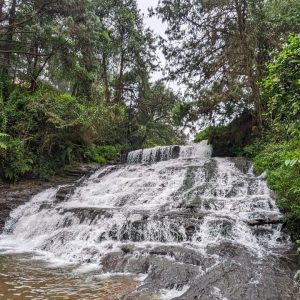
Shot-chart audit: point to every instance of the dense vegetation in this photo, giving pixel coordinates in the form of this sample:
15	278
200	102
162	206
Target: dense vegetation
75	85
220	50
277	151
240	60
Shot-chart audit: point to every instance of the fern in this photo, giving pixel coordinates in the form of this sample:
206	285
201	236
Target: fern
3	143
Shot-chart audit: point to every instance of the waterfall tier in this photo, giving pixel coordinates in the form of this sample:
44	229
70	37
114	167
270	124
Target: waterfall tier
169	206
157	154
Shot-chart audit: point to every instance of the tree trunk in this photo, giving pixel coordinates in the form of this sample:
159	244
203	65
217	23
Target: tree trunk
8	48
33	76
37	70
1	9
120	80
257	98
249	58
105	78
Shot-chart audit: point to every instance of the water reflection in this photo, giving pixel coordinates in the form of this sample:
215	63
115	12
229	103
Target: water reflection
24	278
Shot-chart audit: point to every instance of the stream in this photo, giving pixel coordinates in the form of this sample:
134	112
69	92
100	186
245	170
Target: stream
171	223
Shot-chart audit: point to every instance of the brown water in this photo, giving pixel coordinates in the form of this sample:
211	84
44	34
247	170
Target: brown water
24	278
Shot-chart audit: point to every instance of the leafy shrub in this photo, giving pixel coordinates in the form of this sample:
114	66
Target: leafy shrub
58	129
279	152
3	141
103	154
231	139
282	84
203	135
281	161
14	161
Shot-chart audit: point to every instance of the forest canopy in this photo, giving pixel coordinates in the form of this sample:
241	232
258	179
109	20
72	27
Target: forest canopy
75	85
76	77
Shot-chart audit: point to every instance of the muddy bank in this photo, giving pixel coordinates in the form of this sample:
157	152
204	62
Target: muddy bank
15	194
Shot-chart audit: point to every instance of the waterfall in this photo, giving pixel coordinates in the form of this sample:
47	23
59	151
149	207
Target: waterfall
164	201
152	155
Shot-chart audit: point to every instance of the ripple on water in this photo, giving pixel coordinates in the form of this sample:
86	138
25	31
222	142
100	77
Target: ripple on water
24	278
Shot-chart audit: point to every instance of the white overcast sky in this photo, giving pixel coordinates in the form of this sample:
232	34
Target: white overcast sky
155	24
159	28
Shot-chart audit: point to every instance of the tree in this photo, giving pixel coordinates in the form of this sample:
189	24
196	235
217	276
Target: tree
220	49
150	119
281	86
125	49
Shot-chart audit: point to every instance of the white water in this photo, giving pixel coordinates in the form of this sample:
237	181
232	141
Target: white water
148	204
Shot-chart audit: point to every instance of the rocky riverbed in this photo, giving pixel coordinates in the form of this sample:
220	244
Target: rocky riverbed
187	227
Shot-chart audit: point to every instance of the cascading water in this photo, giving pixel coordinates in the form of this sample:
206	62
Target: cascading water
197	227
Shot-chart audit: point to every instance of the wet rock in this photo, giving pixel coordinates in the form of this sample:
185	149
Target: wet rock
128	249
64	192
184	215
183	255
107	171
85	214
233	280
235	277
226	249
114	262
165	274
268	221
241	163
139	264
210	169
142	295
176	151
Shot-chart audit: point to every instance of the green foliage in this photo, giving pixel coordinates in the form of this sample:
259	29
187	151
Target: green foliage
284	13
3	141
207	133
159	134
274	156
251	150
278	152
269	137
151	120
282	84
57	129
75	77
298	276
231	139
103	154
281	161
181	112
219	58
14	161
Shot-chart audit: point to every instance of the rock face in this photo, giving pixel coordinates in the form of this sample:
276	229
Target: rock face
195	227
